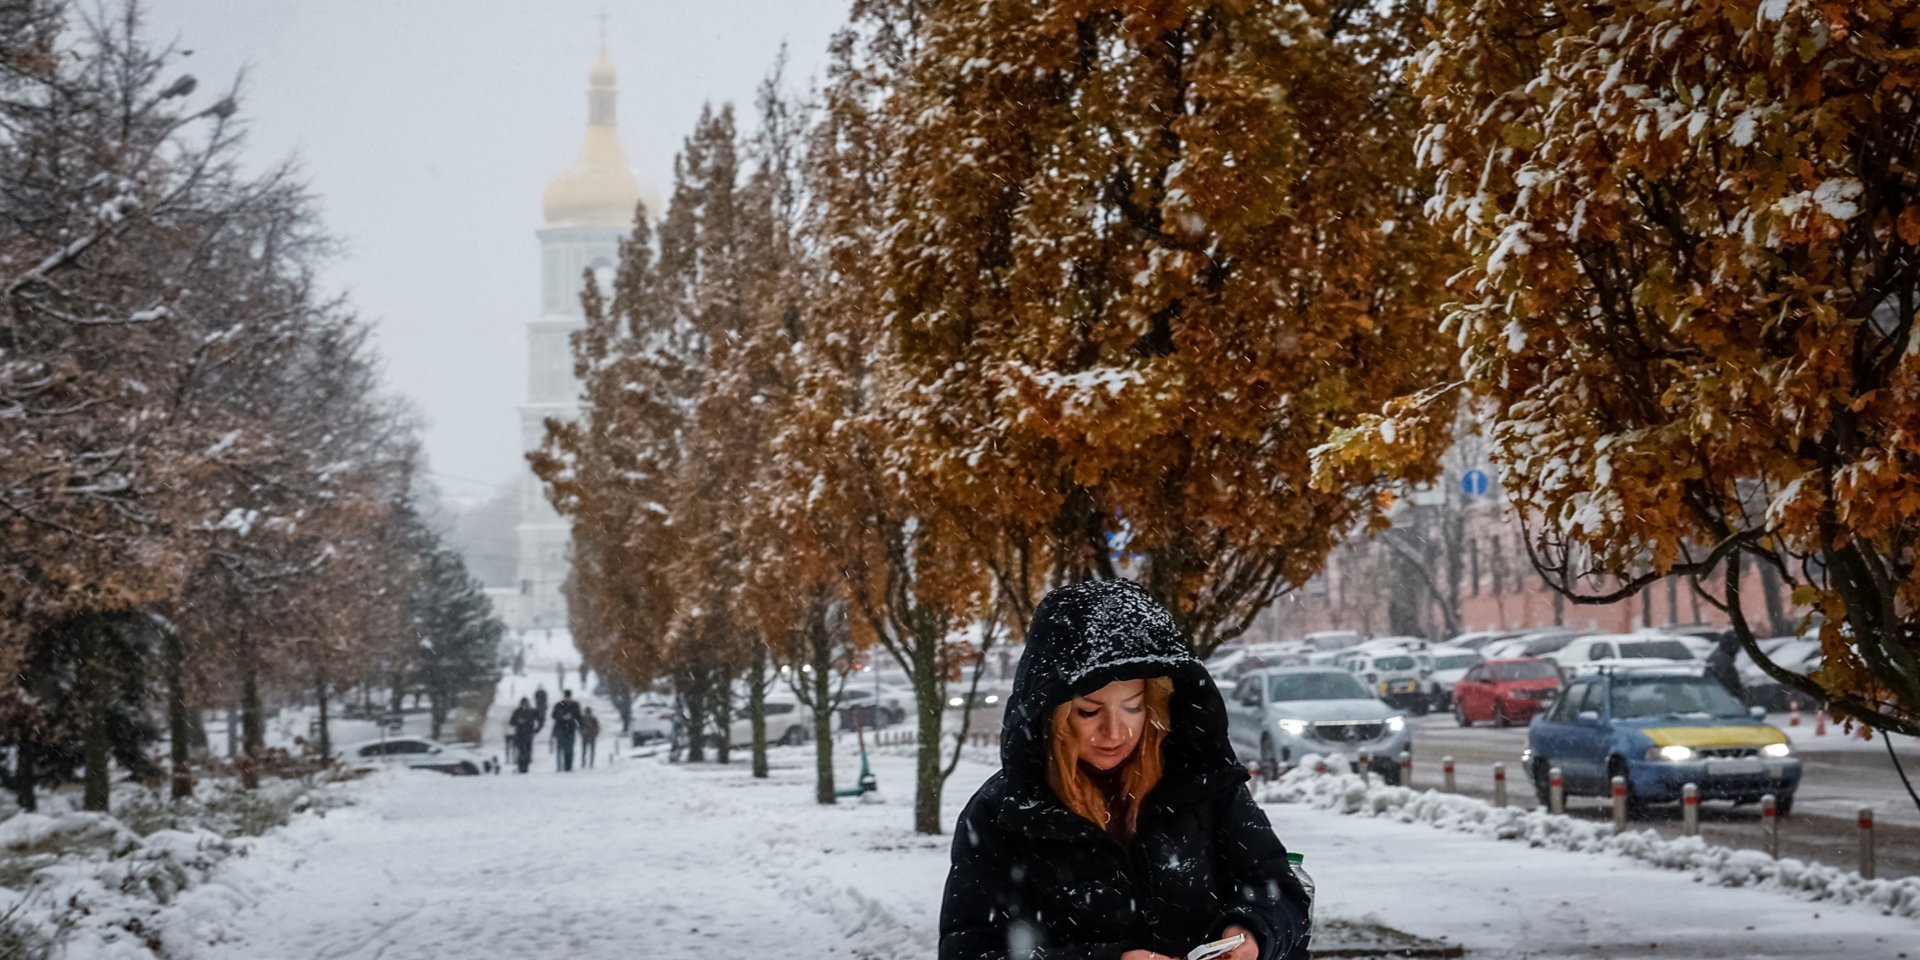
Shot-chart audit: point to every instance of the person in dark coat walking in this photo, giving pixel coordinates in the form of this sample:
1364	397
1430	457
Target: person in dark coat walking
589	732
566	723
1120	823
525	722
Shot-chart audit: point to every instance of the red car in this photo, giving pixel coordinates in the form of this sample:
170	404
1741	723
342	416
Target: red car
1505	691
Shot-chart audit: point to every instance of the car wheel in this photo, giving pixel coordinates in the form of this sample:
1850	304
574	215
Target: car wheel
1542	781
1500	714
468	769
1460	714
1269	763
793	737
1419	706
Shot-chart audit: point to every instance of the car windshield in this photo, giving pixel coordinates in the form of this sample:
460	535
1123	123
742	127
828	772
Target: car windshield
1656	649
1455	661
1315	686
1532	670
1634	698
1393	663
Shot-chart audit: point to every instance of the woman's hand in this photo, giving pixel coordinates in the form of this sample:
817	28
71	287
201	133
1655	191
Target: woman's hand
1145	955
1249	949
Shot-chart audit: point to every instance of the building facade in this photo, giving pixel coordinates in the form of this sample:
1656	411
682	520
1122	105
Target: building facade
588	210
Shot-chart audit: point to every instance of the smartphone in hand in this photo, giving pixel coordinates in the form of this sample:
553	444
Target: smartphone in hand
1217	948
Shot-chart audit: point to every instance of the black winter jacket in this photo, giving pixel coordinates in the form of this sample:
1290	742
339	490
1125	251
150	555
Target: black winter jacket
1031	880
566	719
526	721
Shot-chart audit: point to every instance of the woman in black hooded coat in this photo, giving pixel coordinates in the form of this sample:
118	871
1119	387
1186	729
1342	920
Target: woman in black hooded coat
1033	880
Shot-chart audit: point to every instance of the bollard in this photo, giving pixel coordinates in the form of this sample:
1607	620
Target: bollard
1866	843
1793	713
1556	791
1499	784
1619	804
1820	723
1406	768
1320	765
1770	825
1366	767
1690	808
1446	776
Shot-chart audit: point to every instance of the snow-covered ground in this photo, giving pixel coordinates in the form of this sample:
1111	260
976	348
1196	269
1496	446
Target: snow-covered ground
641	858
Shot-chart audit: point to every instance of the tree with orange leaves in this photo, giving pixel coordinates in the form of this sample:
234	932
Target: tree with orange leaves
1695	280
1141	259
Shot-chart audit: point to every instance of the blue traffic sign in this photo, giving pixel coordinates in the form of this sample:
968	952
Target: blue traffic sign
1474	483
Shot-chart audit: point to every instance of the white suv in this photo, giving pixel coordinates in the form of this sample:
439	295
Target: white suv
1399	677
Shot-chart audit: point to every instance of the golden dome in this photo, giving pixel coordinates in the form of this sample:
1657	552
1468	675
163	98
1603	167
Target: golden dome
600	190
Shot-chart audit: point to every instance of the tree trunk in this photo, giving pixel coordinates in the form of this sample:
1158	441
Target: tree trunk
179	717
1770	592
437	711
1404	596
25	772
928	684
820	655
757	709
326	735
94	696
253	726
694	701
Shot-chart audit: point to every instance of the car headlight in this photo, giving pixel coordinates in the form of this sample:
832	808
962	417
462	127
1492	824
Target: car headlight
1293	727
1396	724
1672	754
1774	751
993	698
955	701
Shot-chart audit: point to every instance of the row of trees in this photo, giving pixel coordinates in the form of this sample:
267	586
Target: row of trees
204	497
1188	290
1016	299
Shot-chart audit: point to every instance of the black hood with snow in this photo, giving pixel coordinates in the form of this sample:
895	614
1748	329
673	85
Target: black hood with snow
1087	635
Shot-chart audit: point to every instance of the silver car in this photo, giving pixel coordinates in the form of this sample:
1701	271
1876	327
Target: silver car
1284	713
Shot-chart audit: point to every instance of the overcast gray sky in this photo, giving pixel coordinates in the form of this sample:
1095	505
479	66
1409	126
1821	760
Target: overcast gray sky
429	128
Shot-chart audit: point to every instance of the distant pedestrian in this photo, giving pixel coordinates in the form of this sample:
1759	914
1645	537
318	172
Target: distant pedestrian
566	724
526	722
540	700
589	732
583	674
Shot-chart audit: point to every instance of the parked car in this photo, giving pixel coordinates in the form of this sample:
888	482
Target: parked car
1505	691
1332	639
1660	728
1536	644
1449	666
893	703
1799	654
417	753
1282	714
1477	639
1604	647
788	723
1398	677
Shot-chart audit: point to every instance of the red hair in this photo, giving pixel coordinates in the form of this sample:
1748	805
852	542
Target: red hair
1142	770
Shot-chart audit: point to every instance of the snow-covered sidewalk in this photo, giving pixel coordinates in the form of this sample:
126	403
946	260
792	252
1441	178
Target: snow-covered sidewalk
641	858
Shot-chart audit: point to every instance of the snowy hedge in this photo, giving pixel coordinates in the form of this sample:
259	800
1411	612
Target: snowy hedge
1346	793
146	884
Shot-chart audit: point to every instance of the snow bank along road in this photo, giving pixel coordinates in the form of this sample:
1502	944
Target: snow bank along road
643	859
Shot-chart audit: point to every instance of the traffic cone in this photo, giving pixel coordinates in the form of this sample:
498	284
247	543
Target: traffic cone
1793	713
1820	723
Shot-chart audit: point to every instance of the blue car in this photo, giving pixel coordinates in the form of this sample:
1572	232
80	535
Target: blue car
1661	728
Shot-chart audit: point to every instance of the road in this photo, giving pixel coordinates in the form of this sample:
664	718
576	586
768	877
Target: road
1841	775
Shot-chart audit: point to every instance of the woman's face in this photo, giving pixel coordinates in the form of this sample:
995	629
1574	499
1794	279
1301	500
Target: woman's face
1107	723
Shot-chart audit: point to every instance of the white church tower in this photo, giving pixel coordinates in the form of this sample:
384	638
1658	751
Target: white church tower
589	209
